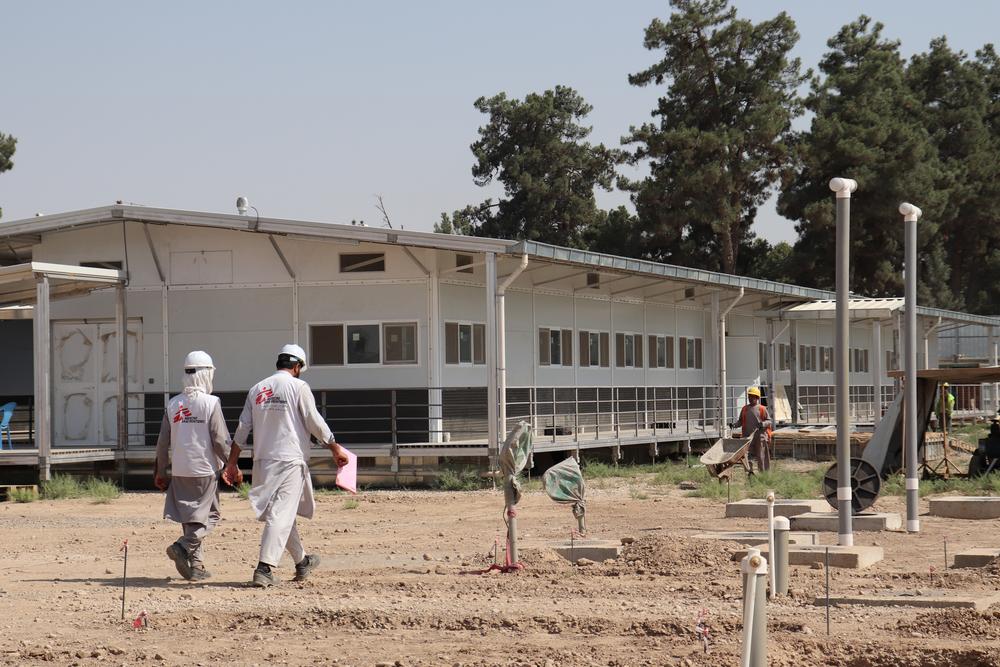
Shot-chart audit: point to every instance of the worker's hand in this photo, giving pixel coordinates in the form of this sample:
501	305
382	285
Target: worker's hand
339	455
232	475
160	482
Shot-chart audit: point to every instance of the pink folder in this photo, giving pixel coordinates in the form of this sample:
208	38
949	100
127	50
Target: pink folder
347	477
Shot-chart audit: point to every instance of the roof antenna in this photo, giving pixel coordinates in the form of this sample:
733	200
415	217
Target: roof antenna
242	204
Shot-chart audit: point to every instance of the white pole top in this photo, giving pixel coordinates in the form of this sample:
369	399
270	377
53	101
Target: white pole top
843	187
909	212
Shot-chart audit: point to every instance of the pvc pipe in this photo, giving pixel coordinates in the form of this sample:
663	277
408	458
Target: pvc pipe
779	558
910	215
754	570
508	495
501	317
770	539
722	362
843	187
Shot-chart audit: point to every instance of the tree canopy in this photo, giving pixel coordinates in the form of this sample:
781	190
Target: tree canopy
8	145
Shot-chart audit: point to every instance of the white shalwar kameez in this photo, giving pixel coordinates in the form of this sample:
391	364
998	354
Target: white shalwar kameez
281	412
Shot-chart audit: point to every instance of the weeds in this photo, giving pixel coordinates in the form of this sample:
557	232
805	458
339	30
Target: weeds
101	490
637	494
244	490
61	487
351	504
28	495
460	479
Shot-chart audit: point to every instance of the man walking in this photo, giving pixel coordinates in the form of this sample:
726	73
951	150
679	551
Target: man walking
281	412
755	420
194	438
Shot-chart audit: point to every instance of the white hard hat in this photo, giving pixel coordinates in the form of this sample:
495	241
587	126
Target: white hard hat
198	359
296	352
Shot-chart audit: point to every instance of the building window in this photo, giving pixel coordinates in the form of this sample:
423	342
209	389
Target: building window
661	352
362	262
762	356
859	360
826	359
784	357
628	350
689	352
399	343
362	343
555	347
464	343
326	344
594	347
808	358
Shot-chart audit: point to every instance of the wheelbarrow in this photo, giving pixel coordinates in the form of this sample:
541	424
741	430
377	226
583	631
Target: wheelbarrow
726	453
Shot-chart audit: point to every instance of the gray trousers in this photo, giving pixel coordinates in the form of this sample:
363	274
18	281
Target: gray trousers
280	532
194	534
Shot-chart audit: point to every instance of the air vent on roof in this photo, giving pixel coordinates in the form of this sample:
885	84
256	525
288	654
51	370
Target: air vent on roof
594	280
464	260
689	293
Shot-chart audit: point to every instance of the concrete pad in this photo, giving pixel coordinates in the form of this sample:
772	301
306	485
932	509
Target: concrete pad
754	508
976	557
966	507
935	599
753	538
596	550
851	558
828	522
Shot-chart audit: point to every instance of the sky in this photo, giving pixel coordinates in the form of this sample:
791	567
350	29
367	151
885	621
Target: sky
311	109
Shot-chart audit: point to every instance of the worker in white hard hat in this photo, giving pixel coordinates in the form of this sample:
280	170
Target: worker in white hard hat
281	412
195	441
754	420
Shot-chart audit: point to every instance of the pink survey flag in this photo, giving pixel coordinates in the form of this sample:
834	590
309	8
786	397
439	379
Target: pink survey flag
347	477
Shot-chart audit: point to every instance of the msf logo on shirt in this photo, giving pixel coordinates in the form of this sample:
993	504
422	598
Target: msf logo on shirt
184	415
266	400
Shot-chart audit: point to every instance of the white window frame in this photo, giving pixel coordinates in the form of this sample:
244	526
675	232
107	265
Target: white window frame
381	332
595	333
381	352
629	339
573	342
662	338
472	324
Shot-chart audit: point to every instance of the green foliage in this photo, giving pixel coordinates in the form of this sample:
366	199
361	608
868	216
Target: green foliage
22	495
244	490
8	145
459	479
61	486
722	136
66	487
637	494
537	149
974	486
351	504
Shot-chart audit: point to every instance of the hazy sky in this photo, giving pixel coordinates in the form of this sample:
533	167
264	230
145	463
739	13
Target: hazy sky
311	108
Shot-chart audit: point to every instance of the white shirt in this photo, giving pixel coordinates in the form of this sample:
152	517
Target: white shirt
281	412
194	447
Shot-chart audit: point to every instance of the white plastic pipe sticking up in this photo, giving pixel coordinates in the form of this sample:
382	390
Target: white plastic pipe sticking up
723	390
501	307
910	215
770	541
752	566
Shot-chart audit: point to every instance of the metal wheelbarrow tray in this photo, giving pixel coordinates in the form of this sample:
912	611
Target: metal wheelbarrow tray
726	453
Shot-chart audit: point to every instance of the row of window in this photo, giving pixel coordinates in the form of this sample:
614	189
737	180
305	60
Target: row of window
555	348
812	358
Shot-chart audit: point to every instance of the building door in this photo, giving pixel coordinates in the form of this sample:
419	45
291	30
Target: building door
85	383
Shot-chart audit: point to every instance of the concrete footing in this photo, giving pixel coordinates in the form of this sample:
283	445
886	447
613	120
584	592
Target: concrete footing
933	599
754	508
827	522
966	507
754	538
851	558
977	557
595	550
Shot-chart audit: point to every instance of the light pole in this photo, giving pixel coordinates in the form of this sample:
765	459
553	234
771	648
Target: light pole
843	187
910	215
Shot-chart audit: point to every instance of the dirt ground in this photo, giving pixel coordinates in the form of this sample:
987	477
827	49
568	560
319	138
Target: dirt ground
397	587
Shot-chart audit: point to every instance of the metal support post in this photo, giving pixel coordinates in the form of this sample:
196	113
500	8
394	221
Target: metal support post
491	361
843	187
43	372
876	369
910	215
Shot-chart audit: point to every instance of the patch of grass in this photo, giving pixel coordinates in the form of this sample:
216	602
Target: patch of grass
60	487
975	486
784	483
22	495
101	490
667	474
329	491
351	504
716	490
244	490
637	494
593	469
459	479
971	433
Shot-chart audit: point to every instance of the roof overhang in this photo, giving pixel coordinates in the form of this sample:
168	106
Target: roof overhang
18	283
872	309
956	375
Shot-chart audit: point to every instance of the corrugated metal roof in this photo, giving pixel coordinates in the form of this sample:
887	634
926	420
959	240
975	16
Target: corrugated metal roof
865	308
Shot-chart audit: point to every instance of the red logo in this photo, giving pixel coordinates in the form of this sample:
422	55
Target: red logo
182	413
264	394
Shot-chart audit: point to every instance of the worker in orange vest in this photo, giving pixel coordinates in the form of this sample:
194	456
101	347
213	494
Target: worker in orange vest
755	420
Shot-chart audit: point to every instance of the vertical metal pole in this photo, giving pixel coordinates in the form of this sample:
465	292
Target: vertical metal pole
793	355
43	372
434	359
121	319
994	353
491	360
910	215
876	369
843	187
